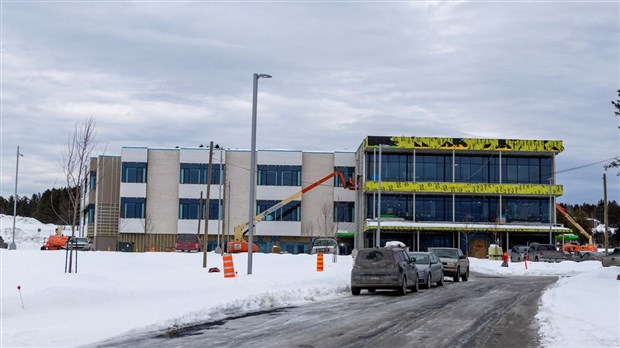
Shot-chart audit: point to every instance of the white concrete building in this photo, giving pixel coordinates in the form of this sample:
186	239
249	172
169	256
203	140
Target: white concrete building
159	192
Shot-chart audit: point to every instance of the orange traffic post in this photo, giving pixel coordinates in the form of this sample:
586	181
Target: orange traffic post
505	259
319	262
229	267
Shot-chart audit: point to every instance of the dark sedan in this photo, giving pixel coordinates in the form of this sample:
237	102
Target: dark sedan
430	269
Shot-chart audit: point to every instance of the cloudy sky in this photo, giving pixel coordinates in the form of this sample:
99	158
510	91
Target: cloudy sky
162	74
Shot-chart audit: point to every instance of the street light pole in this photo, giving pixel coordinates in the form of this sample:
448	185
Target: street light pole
12	246
550	212
253	171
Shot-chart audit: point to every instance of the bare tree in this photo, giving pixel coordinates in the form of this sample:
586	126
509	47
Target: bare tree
467	232
325	221
74	161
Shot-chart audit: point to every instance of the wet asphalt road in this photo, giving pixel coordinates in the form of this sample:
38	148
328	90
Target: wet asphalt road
483	312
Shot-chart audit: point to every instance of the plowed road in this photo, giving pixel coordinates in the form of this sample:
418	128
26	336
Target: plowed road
483	312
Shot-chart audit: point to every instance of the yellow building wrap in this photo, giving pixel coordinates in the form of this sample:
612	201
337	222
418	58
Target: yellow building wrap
463	188
403	142
472	228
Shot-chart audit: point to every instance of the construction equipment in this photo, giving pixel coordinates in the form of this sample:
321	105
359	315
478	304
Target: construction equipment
239	244
587	247
55	242
569	242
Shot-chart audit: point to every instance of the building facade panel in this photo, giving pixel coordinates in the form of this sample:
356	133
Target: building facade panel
162	191
238	175
317	205
278	228
279	157
191	227
133	190
193	191
134	154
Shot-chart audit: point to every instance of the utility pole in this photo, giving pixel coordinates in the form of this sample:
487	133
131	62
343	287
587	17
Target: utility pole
209	171
199	212
223	206
605	212
378	242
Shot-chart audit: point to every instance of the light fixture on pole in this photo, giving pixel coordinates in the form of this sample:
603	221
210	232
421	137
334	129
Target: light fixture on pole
12	246
253	171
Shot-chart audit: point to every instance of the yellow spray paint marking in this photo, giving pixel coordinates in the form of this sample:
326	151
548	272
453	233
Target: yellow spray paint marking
403	142
466	188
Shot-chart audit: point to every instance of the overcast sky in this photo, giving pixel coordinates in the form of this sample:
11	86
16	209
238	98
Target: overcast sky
162	74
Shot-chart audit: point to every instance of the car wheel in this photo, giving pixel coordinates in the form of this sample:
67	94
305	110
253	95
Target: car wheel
440	282
355	291
456	276
428	282
416	285
371	290
466	275
402	290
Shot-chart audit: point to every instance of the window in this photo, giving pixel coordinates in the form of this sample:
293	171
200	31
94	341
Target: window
189	209
134	172
526	209
476	209
476	169
271	175
91	213
396	206
92	180
196	173
132	208
433	208
394	167
289	212
344	211
347	173
433	168
526	170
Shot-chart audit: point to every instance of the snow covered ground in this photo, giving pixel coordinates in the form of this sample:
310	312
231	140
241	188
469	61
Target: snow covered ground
117	293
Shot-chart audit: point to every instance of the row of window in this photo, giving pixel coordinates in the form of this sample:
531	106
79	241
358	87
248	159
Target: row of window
470	169
196	173
191	209
466	208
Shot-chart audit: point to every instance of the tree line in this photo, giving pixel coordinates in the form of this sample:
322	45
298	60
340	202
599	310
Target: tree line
50	207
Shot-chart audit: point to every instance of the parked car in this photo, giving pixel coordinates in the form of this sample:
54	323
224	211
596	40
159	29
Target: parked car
79	243
589	256
188	242
545	252
383	268
518	253
613	259
430	269
324	246
455	264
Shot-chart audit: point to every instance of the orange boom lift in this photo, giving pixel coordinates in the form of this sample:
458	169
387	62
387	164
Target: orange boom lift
240	245
587	247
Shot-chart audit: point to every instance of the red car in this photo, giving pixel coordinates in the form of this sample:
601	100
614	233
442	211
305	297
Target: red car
188	242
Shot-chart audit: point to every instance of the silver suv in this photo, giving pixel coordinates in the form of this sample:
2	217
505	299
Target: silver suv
383	268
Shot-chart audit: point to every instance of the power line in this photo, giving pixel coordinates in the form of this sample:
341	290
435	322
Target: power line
585	165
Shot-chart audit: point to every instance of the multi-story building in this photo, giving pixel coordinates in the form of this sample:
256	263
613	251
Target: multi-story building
468	193
424	192
160	190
